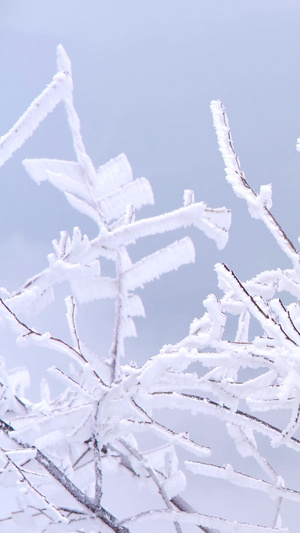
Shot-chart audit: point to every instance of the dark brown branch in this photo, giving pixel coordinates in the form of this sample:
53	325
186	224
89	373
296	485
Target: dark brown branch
55	340
253	302
238	414
98	510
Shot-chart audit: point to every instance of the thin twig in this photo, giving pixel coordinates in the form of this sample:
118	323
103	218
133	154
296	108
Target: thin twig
154	478
58	343
99	511
236	178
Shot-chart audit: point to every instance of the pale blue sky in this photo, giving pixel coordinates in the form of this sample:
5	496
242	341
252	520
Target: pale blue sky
144	74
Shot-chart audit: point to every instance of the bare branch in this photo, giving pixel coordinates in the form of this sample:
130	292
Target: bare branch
258	205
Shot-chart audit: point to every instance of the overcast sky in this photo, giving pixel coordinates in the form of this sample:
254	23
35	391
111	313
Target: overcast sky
144	75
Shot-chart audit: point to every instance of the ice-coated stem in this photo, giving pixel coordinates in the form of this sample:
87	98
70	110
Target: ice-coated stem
44	104
259	204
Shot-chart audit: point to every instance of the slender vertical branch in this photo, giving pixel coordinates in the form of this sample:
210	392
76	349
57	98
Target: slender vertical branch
116	349
97	456
98	471
71	316
265	465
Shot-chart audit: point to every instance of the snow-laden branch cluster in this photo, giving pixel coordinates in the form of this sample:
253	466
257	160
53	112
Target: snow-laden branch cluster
109	427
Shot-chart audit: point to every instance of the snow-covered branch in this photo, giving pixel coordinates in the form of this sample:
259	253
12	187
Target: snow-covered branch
259	205
110	428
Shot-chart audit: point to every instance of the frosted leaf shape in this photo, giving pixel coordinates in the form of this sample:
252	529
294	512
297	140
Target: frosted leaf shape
83	207
136	193
163	261
112	190
115	173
